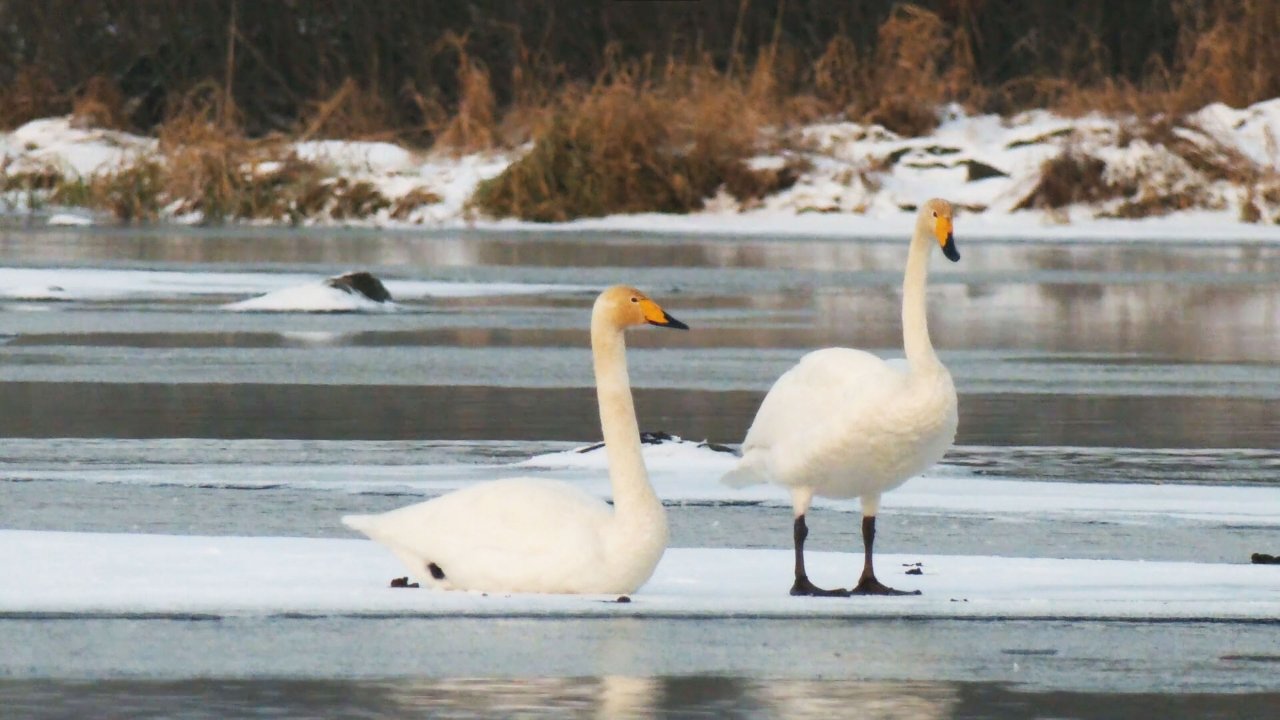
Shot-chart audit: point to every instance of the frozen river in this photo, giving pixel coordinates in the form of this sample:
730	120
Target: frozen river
1118	402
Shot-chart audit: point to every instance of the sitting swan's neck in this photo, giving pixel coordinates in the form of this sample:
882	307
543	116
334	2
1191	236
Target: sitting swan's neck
915	323
634	501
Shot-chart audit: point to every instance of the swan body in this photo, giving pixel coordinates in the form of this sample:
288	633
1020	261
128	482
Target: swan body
545	536
844	423
516	535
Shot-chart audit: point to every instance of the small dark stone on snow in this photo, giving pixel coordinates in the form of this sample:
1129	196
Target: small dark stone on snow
623	599
402	582
360	283
717	447
1265	559
982	171
915	571
657	437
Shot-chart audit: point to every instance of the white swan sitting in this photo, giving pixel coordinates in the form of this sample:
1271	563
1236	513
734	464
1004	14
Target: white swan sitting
545	536
844	423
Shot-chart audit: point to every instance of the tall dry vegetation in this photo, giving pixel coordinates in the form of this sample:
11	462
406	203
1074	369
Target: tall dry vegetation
1229	52
640	139
687	92
906	74
460	71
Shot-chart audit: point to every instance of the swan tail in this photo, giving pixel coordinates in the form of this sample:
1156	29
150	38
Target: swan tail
743	475
361	523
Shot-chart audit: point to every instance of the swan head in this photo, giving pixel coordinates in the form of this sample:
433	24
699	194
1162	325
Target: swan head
935	219
623	306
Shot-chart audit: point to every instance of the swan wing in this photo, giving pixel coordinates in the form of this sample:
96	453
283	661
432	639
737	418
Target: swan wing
813	411
519	534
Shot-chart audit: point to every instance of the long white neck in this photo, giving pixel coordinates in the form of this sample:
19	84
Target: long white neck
633	496
915	323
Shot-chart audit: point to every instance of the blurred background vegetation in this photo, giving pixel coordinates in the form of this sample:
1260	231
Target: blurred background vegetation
626	106
478	72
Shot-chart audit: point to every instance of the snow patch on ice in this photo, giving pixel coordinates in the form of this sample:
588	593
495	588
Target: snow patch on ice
314	297
301	292
675	455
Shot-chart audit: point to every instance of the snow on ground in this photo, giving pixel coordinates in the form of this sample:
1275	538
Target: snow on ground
56	143
149	575
861	176
280	291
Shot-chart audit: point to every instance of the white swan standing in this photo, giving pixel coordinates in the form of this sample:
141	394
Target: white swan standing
545	536
844	423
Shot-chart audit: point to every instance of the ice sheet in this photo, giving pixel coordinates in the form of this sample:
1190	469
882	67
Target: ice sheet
54	573
689	473
292	291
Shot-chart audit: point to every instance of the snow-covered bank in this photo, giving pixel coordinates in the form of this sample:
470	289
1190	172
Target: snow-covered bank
861	180
175	576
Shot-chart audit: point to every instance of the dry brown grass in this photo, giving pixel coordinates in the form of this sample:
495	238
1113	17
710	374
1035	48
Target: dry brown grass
472	125
1229	52
404	206
206	165
1226	53
752	185
25	187
132	194
1072	177
642	139
351	112
840	76
28	179
99	104
211	165
31	95
919	63
1261	201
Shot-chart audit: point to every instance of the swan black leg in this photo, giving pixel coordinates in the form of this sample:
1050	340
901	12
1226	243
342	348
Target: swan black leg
868	584
802	586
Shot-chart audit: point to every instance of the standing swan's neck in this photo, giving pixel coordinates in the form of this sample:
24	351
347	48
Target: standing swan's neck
915	324
633	496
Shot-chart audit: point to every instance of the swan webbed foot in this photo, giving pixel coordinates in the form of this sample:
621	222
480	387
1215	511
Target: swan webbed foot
402	582
872	586
803	588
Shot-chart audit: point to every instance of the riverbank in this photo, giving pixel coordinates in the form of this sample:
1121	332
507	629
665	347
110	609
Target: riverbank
1035	174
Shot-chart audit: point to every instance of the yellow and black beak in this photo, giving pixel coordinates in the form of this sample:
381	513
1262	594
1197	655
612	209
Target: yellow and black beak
942	229
655	315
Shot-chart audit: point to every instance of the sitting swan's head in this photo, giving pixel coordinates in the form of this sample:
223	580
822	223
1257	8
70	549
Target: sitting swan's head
622	306
935	219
